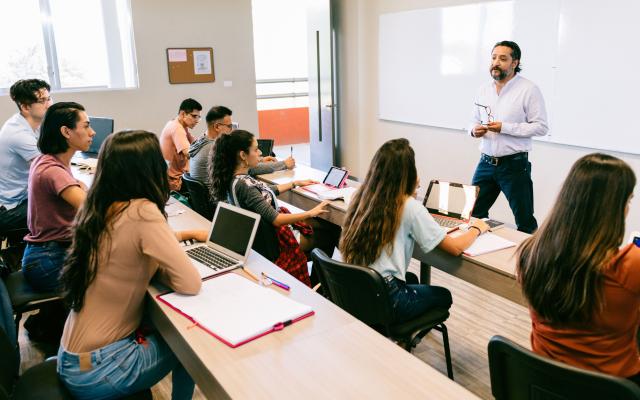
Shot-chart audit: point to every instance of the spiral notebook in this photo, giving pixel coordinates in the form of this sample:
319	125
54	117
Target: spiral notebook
236	310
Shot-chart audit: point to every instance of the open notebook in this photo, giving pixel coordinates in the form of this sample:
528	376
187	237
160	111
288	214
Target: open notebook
487	243
236	310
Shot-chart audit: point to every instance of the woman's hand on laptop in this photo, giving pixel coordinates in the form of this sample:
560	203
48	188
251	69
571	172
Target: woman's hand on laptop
194	234
480	225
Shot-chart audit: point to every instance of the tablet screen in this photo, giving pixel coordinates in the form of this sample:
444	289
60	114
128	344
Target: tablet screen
335	176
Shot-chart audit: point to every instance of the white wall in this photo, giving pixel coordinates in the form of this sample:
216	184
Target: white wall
225	25
440	153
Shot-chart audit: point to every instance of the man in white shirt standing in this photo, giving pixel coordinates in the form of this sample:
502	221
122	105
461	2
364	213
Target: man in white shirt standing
18	147
507	113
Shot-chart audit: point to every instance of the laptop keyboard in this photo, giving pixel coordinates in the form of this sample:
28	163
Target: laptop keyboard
210	258
447	222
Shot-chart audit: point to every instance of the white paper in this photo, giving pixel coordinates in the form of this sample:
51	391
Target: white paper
177	55
487	243
237	309
202	62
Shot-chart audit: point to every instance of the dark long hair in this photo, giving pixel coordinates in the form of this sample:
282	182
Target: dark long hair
64	113
130	166
375	211
223	160
560	266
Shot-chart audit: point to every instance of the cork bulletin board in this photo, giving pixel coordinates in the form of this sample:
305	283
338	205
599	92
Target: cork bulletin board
190	65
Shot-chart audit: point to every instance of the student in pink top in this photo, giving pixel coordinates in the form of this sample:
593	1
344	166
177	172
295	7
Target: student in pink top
54	194
121	240
175	140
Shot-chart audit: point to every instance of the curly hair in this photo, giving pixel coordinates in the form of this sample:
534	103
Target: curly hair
223	160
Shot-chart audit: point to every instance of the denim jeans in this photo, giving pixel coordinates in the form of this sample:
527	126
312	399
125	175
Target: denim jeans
513	178
123	368
409	301
41	265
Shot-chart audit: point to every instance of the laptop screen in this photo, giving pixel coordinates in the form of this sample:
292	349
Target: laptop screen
265	146
232	230
450	199
103	128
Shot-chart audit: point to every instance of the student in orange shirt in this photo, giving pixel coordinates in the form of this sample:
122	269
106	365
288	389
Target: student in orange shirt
582	288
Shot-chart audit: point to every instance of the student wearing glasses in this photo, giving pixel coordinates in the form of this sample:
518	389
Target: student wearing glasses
18	148
219	122
582	288
175	140
120	241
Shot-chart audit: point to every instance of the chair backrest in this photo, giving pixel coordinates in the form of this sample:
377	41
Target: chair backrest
361	291
517	373
199	196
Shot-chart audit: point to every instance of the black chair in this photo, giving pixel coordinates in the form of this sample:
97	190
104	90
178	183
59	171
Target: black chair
38	382
520	374
362	292
199	196
12	253
24	298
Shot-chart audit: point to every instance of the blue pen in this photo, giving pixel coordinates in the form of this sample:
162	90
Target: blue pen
277	283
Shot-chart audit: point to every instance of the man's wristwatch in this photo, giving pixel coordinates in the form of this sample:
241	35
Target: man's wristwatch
293	185
476	228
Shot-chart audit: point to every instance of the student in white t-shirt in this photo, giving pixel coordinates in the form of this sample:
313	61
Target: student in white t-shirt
384	221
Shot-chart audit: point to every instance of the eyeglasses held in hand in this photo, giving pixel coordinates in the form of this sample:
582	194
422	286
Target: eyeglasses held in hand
487	110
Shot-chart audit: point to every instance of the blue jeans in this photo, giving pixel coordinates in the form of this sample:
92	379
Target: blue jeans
409	301
513	178
41	265
123	368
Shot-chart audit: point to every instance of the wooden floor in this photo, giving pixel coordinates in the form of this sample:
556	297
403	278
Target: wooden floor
476	315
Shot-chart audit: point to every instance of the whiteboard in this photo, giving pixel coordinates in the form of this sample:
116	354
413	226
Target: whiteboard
432	62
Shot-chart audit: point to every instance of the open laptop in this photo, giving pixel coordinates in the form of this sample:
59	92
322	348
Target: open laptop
103	128
266	147
334	179
450	204
230	239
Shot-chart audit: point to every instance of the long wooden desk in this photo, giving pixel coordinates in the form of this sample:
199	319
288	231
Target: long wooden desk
494	272
328	355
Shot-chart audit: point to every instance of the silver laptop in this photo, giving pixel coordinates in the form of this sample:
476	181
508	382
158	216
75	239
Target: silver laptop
450	204
230	239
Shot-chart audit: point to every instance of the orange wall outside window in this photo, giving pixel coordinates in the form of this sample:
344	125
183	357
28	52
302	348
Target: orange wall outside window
285	125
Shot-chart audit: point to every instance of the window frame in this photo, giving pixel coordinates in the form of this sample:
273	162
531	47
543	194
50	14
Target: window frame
114	43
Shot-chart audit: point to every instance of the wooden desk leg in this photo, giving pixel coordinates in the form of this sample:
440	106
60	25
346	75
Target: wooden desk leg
425	273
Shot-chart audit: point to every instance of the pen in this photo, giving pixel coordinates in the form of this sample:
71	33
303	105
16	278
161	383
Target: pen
291	151
251	274
277	283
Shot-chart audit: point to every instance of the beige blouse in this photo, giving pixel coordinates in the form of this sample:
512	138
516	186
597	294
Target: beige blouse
142	243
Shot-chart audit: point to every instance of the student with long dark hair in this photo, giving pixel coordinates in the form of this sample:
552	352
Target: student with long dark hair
121	240
583	290
383	223
54	194
230	160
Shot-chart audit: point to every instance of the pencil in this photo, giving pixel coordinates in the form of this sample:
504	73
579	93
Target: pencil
251	274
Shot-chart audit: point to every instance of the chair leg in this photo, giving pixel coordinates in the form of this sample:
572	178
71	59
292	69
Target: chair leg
17	319
447	352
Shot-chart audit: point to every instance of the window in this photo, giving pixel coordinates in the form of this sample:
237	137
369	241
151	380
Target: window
72	44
